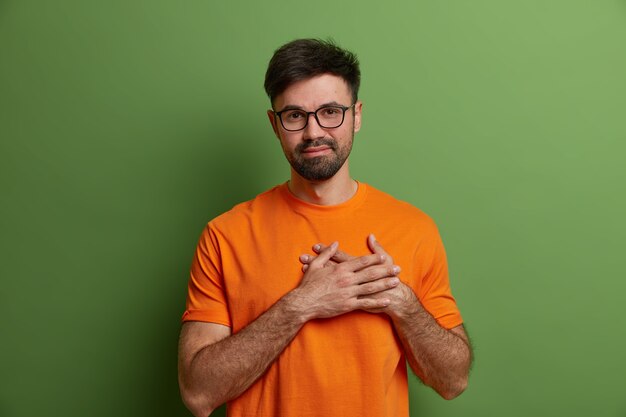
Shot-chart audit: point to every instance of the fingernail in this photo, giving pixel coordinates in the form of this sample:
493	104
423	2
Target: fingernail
316	248
396	269
304	258
334	245
373	237
395	281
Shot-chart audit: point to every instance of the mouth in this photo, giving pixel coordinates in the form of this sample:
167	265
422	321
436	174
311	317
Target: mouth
315	151
316	148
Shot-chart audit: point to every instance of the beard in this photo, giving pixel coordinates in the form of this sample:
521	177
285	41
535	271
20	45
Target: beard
322	167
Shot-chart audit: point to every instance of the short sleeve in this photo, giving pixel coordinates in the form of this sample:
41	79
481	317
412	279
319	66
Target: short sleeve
434	289
206	298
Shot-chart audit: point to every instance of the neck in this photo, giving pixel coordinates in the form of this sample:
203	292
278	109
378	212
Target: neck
333	191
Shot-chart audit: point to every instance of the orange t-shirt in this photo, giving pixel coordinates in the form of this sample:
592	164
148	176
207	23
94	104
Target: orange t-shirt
349	365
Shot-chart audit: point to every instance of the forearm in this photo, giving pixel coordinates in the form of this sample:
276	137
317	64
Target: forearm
223	370
440	357
216	366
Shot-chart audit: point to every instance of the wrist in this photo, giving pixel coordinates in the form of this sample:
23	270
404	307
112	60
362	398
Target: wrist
294	308
408	306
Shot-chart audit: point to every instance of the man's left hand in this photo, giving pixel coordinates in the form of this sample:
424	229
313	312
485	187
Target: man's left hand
403	299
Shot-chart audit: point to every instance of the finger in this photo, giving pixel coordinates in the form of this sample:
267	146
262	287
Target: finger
377	286
319	247
339	257
307	259
362	262
325	255
373	304
375	310
376	247
376	272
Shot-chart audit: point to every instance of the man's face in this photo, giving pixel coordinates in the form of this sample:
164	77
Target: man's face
317	153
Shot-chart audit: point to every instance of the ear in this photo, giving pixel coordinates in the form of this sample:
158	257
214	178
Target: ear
358	108
273	122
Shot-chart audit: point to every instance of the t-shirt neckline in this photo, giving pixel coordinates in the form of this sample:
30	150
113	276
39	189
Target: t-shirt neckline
304	207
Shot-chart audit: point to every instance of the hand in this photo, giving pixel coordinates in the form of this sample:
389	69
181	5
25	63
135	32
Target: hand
330	288
401	298
337	258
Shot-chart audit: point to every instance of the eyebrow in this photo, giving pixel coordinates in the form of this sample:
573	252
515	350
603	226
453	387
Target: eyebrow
295	107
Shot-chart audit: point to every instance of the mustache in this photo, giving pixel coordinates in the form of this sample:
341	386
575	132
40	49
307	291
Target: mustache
315	143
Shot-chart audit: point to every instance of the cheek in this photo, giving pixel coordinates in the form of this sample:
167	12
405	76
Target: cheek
289	141
346	133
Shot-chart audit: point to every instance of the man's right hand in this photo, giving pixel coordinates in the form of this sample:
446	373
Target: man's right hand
329	289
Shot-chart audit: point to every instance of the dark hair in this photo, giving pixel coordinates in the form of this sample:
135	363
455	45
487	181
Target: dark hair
305	58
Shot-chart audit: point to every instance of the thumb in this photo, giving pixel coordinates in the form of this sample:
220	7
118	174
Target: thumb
376	247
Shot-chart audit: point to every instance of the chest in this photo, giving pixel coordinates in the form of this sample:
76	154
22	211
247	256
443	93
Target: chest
263	263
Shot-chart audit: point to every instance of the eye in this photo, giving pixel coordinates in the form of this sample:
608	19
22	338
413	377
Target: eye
330	111
293	115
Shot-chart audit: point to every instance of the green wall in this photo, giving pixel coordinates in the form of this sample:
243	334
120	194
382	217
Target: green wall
126	126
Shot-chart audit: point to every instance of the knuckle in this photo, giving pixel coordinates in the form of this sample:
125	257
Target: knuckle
344	280
368	288
370	274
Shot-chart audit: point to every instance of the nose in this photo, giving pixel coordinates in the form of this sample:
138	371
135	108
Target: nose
313	130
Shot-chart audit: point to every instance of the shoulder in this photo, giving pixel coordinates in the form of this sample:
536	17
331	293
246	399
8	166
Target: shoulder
246	211
402	211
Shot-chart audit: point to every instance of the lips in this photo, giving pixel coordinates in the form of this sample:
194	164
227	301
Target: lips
314	151
314	148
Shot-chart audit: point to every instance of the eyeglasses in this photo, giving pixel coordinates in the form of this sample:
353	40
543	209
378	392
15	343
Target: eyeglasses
328	117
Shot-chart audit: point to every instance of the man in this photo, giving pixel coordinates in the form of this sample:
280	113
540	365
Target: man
277	330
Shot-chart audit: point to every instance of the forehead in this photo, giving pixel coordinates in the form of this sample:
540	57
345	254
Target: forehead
314	92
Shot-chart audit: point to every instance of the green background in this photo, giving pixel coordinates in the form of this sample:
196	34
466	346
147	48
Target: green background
126	126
